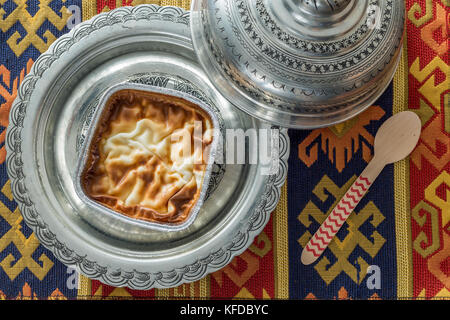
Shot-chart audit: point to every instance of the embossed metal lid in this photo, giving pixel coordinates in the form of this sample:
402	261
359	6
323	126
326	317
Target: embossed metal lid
299	63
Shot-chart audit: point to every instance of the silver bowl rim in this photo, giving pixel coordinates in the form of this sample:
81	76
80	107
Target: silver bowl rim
105	273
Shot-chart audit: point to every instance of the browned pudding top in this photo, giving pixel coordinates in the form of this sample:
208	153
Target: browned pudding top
144	160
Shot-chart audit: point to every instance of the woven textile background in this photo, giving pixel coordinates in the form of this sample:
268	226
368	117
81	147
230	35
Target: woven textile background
401	229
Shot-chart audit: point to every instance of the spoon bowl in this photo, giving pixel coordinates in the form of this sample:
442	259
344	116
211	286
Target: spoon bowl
397	137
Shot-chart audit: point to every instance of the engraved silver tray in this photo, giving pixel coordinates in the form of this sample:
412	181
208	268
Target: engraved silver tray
49	122
299	63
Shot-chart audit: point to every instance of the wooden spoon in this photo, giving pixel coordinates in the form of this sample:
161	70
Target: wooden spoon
394	141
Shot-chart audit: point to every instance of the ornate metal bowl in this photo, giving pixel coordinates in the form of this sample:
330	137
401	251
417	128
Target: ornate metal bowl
50	119
299	63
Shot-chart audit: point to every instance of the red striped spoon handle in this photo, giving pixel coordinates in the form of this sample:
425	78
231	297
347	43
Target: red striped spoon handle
320	240
333	223
395	139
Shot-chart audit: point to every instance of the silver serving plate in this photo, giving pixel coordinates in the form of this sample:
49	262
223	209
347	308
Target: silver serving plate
49	121
299	63
103	217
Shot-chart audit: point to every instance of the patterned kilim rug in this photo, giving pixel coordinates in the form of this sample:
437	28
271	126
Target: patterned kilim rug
400	231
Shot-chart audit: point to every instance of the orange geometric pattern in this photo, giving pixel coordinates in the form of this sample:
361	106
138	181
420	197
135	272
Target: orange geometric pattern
429	86
341	295
342	141
27	294
435	33
239	278
8	90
